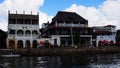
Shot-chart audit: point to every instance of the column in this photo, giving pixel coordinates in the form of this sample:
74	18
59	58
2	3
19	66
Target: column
15	44
23	43
56	23
7	43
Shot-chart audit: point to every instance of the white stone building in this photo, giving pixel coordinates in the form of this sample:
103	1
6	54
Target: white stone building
105	33
23	30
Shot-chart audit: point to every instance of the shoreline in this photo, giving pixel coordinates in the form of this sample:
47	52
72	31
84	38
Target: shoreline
61	51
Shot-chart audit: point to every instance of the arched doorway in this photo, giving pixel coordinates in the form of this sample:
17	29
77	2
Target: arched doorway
34	44
11	44
20	44
12	32
27	44
27	33
20	32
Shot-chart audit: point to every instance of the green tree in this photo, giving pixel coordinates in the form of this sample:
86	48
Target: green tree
76	38
46	36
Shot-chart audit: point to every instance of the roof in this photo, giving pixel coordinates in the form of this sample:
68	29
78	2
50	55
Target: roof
68	16
110	26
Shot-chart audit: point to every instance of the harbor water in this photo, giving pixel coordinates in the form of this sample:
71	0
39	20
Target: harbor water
64	61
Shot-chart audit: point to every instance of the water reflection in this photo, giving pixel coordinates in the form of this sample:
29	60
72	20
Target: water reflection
42	62
68	61
105	61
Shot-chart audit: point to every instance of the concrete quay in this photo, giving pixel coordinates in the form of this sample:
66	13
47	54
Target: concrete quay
62	51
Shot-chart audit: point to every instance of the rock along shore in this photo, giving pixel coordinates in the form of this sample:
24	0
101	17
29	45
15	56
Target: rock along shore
61	51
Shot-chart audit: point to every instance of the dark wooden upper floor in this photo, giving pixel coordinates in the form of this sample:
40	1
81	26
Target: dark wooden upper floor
23	19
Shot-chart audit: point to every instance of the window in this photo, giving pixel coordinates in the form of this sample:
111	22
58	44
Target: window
27	21
34	22
57	32
20	21
20	32
27	32
81	32
12	21
86	32
64	32
34	32
12	32
62	42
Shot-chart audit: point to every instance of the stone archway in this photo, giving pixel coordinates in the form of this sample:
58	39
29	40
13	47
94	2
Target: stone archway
27	32
27	44
12	32
20	32
11	44
20	44
34	44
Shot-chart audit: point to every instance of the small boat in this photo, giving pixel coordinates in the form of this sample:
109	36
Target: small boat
10	55
15	55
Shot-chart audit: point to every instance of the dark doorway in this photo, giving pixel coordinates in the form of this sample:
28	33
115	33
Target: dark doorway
34	45
20	44
27	44
11	44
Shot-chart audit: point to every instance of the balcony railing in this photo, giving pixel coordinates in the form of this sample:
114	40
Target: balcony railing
20	35
72	25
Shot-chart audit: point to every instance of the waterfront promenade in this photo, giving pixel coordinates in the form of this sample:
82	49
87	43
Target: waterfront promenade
62	51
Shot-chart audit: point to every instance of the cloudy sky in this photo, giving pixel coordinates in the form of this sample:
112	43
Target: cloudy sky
97	12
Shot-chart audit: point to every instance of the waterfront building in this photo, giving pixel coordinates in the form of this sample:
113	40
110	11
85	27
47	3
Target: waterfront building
23	30
104	34
118	37
65	26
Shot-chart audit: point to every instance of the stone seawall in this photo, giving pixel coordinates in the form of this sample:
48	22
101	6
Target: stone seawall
62	51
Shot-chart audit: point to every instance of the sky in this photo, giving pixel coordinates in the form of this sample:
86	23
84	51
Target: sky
97	12
51	7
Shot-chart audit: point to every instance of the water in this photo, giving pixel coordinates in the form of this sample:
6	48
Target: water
68	61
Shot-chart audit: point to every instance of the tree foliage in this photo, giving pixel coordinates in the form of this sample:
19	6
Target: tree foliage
76	38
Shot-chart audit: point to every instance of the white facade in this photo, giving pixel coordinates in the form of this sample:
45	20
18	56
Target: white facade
58	39
105	37
24	37
23	31
108	37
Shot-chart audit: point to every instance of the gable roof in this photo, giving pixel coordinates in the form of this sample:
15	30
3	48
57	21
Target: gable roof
68	16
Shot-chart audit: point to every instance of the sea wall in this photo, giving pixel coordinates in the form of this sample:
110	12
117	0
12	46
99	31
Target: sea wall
62	51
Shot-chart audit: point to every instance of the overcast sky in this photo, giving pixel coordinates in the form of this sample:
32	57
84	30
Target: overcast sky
97	12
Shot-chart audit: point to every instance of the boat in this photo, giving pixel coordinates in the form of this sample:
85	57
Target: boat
10	55
15	55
